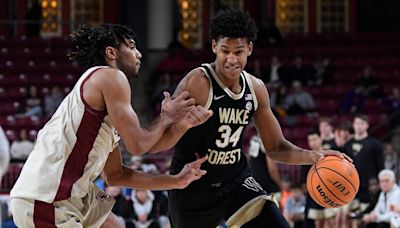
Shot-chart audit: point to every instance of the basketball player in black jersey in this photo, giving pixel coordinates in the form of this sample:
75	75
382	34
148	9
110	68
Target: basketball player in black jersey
228	195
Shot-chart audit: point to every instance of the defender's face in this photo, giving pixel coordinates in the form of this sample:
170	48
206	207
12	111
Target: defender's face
231	56
128	59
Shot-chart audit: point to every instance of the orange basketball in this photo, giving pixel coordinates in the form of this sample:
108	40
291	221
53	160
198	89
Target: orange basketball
333	182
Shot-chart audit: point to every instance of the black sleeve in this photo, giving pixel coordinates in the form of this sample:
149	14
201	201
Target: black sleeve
347	149
378	157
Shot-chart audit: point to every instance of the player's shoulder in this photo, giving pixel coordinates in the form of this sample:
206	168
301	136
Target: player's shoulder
257	84
254	80
197	78
110	72
109	76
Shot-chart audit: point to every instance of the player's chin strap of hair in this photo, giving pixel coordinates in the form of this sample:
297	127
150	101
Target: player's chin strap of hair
248	211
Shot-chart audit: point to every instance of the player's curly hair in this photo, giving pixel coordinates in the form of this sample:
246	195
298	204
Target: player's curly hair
233	23
90	42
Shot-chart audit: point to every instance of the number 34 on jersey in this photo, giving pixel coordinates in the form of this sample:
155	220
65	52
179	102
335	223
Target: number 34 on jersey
229	138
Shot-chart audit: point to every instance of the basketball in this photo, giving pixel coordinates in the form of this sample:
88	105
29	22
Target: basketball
333	182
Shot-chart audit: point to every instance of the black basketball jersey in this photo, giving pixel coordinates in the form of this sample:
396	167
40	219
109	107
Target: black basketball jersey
220	137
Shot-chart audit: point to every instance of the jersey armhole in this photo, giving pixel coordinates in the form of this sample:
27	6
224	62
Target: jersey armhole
210	91
251	87
81	93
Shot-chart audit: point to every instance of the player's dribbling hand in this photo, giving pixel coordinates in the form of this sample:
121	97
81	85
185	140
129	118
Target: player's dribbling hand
176	108
197	115
191	172
325	153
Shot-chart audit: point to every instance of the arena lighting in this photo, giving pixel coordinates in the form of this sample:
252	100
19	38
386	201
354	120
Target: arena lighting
190	11
53	4
50	16
45	4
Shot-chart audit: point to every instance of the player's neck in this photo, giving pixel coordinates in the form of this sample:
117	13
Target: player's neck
360	136
232	85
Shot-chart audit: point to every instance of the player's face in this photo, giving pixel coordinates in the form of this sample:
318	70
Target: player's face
360	126
314	142
231	56
128	59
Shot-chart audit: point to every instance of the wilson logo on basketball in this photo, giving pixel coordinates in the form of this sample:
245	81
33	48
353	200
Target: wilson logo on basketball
326	199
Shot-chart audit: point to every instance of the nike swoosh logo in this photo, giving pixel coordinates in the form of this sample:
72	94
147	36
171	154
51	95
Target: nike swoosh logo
219	97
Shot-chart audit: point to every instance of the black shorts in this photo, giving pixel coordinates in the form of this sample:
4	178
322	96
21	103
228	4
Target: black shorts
212	206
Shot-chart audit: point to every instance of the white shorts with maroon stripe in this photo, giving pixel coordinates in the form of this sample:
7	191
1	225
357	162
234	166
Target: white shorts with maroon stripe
90	211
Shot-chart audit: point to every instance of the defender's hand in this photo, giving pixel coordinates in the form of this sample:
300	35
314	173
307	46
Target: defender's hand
197	115
190	173
176	108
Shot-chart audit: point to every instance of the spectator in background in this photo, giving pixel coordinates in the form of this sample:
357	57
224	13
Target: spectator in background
370	82
356	217
122	207
294	207
392	158
4	153
278	100
390	195
321	73
144	209
367	155
286	191
33	103
53	100
354	100
343	133
299	101
272	76
326	133
297	72
392	102
21	147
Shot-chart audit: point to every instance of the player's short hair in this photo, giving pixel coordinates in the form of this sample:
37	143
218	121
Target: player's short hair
90	42
345	126
325	119
233	23
363	117
313	132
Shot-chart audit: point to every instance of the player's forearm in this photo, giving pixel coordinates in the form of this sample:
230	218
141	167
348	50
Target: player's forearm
286	152
170	137
150	135
140	180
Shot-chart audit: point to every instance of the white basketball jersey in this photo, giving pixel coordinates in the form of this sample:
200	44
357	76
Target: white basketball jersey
70	152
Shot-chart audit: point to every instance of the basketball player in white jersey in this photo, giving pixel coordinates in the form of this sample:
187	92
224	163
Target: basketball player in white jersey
55	188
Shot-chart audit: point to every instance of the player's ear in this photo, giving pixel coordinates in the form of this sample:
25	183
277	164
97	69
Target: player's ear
214	46
250	48
110	53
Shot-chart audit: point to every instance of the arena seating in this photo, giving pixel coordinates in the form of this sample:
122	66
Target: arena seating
44	63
